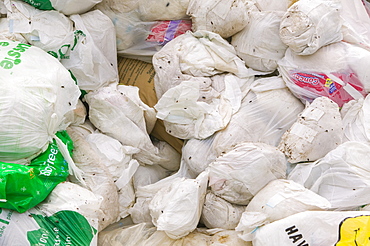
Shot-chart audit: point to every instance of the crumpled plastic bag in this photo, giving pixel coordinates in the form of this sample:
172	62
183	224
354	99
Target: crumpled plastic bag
149	174
218	213
170	157
356	22
73	40
67	7
96	176
261	117
356	123
260	53
336	71
317	131
277	200
68	216
189	113
34	101
153	10
119	164
200	54
223	17
342	176
309	25
274	5
119	112
316	228
143	234
176	208
236	175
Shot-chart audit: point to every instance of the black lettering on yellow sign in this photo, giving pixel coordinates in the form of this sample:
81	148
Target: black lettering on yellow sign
354	231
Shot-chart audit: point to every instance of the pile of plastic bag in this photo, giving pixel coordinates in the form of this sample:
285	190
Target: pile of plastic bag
188	122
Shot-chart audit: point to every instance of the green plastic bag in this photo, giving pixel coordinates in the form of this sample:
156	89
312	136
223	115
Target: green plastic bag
40	4
24	186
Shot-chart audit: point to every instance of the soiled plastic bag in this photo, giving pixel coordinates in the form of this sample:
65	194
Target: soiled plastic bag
96	175
274	5
195	109
153	10
68	216
218	213
34	100
336	71
74	41
223	17
355	120
317	131
311	24
143	234
277	200
176	208
342	176
260	53
316	228
119	112
236	175
67	7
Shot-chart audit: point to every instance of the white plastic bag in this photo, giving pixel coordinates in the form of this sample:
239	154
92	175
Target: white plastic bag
260	53
336	71
236	175
342	176
153	10
274	5
218	213
356	125
223	17
311	24
68	216
176	209
34	101
317	131
96	175
277	200
67	7
316	228
118	112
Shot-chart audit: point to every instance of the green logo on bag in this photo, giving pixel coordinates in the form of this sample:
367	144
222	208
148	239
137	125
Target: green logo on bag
40	4
62	228
14	55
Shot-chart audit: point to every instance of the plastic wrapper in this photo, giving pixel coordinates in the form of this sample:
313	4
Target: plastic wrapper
176	208
263	53
34	102
236	175
153	10
336	71
144	234
96	175
223	17
317	131
342	176
118	112
277	200
67	7
355	120
309	25
68	216
218	213
316	228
